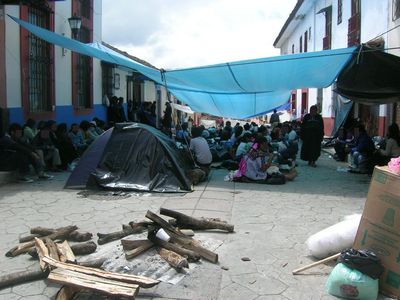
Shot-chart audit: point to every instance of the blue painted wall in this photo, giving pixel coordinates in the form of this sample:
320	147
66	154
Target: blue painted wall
63	114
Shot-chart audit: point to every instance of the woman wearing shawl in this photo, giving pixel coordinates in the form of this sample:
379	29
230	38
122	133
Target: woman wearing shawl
312	133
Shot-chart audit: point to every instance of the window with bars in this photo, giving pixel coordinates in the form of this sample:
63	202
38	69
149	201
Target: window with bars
84	69
39	64
339	11
107	71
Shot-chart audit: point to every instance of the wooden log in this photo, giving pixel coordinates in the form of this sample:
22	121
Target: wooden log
330	258
113	236
84	248
77	249
25	247
22	277
67	293
190	255
146	245
104	286
186	221
132	244
28	238
42	251
194	246
43	231
52	247
65	252
173	259
142	281
183	240
16	278
162	223
77	236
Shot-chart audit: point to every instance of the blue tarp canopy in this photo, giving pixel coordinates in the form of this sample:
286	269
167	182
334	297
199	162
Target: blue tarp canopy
236	90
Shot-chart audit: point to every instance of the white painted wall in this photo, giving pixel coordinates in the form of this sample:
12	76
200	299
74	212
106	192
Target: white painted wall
63	76
149	89
13	71
97	73
393	37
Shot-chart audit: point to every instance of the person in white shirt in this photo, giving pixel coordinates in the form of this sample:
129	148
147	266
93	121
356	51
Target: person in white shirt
200	149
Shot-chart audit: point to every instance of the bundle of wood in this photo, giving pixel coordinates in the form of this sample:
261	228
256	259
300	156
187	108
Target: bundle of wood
54	263
180	248
59	250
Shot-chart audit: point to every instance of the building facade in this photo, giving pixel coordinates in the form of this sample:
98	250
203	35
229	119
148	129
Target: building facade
42	81
316	25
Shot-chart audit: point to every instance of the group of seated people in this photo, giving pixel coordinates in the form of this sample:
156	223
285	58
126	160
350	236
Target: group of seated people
46	146
356	146
259	153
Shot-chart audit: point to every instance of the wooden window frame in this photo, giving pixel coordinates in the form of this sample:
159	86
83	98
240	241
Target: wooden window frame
24	57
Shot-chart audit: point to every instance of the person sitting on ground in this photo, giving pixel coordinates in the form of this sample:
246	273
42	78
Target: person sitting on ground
67	150
77	139
246	128
98	125
259	165
201	150
236	134
244	146
47	150
18	155
289	138
343	138
362	150
392	148
88	131
182	135
29	131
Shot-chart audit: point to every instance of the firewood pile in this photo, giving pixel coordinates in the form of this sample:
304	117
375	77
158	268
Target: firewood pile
172	239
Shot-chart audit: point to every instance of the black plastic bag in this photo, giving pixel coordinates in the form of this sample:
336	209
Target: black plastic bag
363	260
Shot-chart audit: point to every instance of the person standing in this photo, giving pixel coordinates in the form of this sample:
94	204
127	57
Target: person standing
312	133
167	119
274	119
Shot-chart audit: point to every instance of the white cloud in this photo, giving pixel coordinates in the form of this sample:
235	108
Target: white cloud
185	33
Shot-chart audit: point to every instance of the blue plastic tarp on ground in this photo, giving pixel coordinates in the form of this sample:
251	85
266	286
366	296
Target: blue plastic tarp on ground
235	90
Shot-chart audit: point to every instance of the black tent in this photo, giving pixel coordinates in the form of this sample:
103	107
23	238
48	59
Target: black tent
132	157
371	77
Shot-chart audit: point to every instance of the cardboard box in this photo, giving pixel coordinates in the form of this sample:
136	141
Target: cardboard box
379	228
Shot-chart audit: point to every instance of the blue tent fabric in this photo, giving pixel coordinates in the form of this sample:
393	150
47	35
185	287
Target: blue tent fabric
236	90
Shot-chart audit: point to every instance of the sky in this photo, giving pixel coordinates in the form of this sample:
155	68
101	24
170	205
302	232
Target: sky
174	34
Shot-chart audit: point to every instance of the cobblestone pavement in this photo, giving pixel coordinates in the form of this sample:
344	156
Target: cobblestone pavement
271	226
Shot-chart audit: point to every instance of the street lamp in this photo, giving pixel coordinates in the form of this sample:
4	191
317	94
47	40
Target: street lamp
75	24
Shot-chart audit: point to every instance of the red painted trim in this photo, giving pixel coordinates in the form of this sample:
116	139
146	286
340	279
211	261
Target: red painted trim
328	126
3	77
381	126
304	104
87	23
24	56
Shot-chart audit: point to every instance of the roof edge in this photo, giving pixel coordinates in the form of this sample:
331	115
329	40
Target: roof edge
126	54
289	19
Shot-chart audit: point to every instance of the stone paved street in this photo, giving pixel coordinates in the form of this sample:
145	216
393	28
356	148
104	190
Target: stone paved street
271	226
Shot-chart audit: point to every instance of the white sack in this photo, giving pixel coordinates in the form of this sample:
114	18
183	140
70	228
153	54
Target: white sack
335	238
